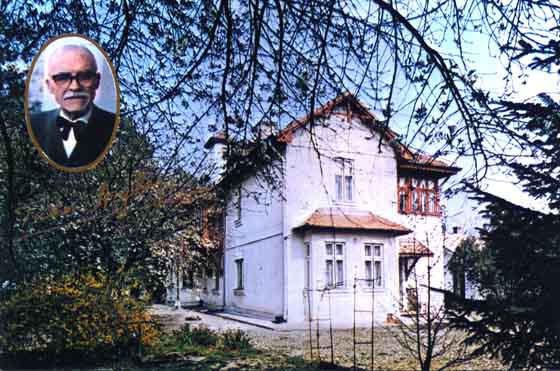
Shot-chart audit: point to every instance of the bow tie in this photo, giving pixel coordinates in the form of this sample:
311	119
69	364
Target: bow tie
64	126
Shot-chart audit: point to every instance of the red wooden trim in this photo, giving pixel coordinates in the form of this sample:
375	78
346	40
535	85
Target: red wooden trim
422	196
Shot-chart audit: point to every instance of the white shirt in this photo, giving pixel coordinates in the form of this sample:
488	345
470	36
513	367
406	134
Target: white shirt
70	143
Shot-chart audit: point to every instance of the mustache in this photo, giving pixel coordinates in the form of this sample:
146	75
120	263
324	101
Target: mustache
76	94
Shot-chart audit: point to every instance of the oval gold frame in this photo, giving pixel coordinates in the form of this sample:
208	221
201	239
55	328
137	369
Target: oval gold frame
116	124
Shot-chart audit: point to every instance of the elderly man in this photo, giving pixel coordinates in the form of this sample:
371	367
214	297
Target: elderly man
78	132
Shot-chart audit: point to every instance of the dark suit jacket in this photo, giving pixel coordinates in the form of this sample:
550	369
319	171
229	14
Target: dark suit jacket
94	140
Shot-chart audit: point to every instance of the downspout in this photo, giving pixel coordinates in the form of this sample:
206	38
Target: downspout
285	236
224	215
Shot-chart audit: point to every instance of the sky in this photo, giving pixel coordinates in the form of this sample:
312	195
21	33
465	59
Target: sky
492	77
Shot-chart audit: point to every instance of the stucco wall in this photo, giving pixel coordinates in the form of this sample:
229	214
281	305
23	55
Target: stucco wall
342	298
310	170
274	256
257	239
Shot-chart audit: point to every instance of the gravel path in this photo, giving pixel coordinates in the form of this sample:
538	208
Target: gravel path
388	354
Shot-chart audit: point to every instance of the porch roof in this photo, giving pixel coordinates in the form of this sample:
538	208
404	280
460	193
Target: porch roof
411	247
337	218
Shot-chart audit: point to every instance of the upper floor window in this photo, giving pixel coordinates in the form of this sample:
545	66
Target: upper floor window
344	179
237	202
418	196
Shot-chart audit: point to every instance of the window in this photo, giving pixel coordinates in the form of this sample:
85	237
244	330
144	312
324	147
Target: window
344	179
188	280
418	196
216	277
334	264
239	267
216	281
237	201
307	273
373	261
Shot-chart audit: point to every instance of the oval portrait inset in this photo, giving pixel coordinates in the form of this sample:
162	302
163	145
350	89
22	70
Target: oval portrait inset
72	103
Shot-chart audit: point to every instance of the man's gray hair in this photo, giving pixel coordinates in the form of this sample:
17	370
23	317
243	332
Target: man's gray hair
69	48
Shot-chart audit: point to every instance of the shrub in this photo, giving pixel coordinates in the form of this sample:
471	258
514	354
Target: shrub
73	317
235	340
193	336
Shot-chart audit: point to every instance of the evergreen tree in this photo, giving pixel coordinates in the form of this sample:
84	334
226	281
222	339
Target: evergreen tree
518	269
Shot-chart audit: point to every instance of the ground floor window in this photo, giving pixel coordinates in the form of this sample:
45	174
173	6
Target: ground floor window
239	269
216	280
373	261
334	264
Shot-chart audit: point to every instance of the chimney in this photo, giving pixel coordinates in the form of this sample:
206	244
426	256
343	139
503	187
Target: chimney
216	146
264	129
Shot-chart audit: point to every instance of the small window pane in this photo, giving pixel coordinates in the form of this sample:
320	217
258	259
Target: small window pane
415	201
349	167
422	183
328	249
368	250
339	273
403	201
307	251
377	250
431	184
414	182
338	186
329	273
369	274
339	249
402	181
432	201
348	184
377	269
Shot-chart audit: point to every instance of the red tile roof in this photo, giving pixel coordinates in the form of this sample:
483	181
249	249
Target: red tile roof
355	220
408	158
411	247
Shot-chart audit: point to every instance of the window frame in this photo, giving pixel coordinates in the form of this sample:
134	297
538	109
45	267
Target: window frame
372	259
237	203
335	279
239	278
344	181
415	196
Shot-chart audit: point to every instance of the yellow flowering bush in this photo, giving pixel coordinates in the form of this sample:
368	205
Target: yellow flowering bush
76	316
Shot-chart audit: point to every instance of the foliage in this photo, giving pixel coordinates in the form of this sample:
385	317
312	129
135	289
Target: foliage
77	317
515	273
235	339
424	335
202	340
516	269
199	335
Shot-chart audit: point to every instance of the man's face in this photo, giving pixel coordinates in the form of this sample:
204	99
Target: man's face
72	80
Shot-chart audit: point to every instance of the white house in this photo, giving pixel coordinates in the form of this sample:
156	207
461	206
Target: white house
352	216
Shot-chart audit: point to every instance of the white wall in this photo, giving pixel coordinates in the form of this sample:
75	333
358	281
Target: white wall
428	231
310	179
342	298
274	255
257	239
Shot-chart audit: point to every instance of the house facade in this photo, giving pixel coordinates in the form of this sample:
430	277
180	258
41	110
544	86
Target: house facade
352	223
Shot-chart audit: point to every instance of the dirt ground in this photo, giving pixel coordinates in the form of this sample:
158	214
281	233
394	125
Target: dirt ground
387	353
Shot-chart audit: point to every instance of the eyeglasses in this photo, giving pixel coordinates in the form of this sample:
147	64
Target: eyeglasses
85	78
